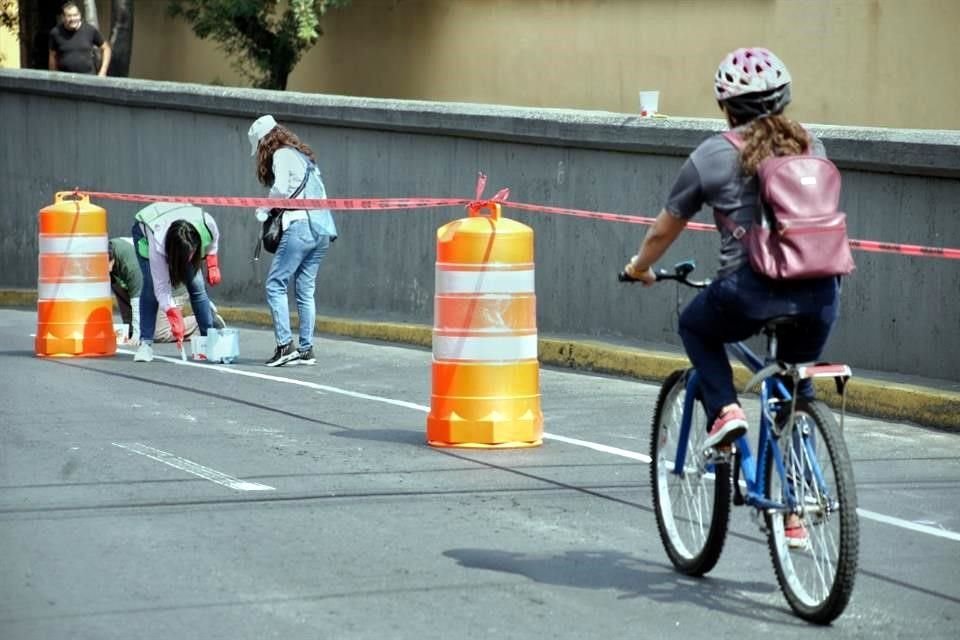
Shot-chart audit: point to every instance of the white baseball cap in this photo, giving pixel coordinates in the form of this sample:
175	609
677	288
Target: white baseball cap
260	127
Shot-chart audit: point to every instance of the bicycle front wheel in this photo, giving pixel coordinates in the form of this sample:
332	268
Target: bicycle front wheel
692	503
816	564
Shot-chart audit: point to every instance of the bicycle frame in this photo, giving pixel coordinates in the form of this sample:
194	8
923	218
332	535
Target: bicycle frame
798	479
772	391
752	468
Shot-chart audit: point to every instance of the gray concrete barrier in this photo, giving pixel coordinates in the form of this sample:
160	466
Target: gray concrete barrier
900	314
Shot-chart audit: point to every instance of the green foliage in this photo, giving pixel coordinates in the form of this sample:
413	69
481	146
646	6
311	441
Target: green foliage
9	19
265	44
8	16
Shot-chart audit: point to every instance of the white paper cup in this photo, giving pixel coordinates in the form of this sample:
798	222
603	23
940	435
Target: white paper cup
121	331
649	103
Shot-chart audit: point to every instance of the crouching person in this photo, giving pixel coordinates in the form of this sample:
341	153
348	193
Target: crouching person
126	281
171	241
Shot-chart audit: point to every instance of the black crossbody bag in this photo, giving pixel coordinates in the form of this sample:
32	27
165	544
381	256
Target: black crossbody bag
272	229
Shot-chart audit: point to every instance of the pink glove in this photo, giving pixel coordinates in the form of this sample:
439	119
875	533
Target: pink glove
213	271
175	318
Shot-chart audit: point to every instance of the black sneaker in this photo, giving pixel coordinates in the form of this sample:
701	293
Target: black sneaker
285	353
307	357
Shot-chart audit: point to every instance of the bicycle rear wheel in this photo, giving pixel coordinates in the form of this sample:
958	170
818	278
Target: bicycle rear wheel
817	575
692	506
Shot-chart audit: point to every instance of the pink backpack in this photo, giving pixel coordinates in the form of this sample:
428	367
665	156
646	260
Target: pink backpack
800	234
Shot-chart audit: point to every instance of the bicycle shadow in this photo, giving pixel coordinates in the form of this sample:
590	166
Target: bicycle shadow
632	577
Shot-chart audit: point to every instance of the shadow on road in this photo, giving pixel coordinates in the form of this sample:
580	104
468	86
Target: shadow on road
632	577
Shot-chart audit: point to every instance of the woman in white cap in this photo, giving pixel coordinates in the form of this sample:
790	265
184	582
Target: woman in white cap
288	167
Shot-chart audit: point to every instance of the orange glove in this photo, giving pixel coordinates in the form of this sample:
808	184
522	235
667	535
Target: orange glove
175	318
213	271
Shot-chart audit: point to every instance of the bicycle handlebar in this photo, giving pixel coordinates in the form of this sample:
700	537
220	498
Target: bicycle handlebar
681	273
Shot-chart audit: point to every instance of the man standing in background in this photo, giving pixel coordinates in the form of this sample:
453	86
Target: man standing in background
72	44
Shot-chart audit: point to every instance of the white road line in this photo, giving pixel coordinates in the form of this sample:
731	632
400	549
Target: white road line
624	453
192	467
906	524
299	383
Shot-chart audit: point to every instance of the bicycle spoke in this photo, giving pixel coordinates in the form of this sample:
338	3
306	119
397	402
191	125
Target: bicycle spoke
817	576
686	499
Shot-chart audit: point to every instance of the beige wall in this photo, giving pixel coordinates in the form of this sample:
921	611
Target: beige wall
9	49
860	62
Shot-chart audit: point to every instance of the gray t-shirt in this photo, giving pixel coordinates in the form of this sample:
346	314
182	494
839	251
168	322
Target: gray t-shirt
712	176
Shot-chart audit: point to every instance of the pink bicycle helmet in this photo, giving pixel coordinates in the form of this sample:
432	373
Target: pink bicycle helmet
749	70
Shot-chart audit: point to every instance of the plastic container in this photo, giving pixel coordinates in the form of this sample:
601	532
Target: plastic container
198	347
223	345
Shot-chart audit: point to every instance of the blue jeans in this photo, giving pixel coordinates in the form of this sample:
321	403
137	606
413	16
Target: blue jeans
149	307
735	307
299	255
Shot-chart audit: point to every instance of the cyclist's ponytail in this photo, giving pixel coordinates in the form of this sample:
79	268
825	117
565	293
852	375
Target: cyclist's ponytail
775	135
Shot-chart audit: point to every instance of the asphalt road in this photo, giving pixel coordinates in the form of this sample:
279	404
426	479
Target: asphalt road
171	500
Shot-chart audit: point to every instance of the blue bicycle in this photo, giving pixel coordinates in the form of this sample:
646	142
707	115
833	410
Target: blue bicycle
800	477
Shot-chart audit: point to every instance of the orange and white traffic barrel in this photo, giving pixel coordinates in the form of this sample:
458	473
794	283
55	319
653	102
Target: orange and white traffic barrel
485	373
74	300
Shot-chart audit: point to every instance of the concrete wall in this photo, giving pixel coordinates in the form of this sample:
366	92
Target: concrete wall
882	63
900	314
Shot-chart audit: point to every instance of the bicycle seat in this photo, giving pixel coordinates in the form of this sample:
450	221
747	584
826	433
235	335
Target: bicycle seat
771	326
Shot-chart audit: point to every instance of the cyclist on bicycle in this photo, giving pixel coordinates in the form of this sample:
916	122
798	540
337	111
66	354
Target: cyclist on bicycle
752	87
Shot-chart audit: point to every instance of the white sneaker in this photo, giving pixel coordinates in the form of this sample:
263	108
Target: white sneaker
144	353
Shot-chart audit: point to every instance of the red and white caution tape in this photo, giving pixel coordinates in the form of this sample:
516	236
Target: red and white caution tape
501	198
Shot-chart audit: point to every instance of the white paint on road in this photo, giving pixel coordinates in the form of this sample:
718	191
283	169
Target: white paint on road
192	467
939	532
863	513
624	453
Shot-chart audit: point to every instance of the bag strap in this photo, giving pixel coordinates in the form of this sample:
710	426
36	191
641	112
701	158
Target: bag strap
736	230
735	139
303	184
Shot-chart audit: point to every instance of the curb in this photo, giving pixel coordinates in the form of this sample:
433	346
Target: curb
875	398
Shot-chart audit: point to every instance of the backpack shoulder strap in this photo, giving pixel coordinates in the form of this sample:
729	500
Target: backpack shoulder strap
736	230
735	139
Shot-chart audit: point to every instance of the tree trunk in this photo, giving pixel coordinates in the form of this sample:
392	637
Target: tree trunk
282	59
36	20
276	78
90	13
121	38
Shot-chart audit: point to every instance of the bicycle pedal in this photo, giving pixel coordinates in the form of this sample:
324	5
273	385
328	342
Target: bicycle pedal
715	455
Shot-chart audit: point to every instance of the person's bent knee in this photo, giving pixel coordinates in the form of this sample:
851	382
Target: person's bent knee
276	287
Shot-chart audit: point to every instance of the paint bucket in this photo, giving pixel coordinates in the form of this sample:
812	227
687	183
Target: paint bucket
223	345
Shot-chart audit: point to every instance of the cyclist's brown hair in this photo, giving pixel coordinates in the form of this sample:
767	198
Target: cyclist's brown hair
775	135
278	137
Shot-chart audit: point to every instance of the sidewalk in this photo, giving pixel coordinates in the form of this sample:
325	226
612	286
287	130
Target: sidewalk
923	401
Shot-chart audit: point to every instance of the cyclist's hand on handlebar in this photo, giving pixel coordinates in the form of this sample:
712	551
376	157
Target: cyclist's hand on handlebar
646	277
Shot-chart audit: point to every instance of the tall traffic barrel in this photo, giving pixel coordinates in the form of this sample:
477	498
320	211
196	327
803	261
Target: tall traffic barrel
485	373
74	302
